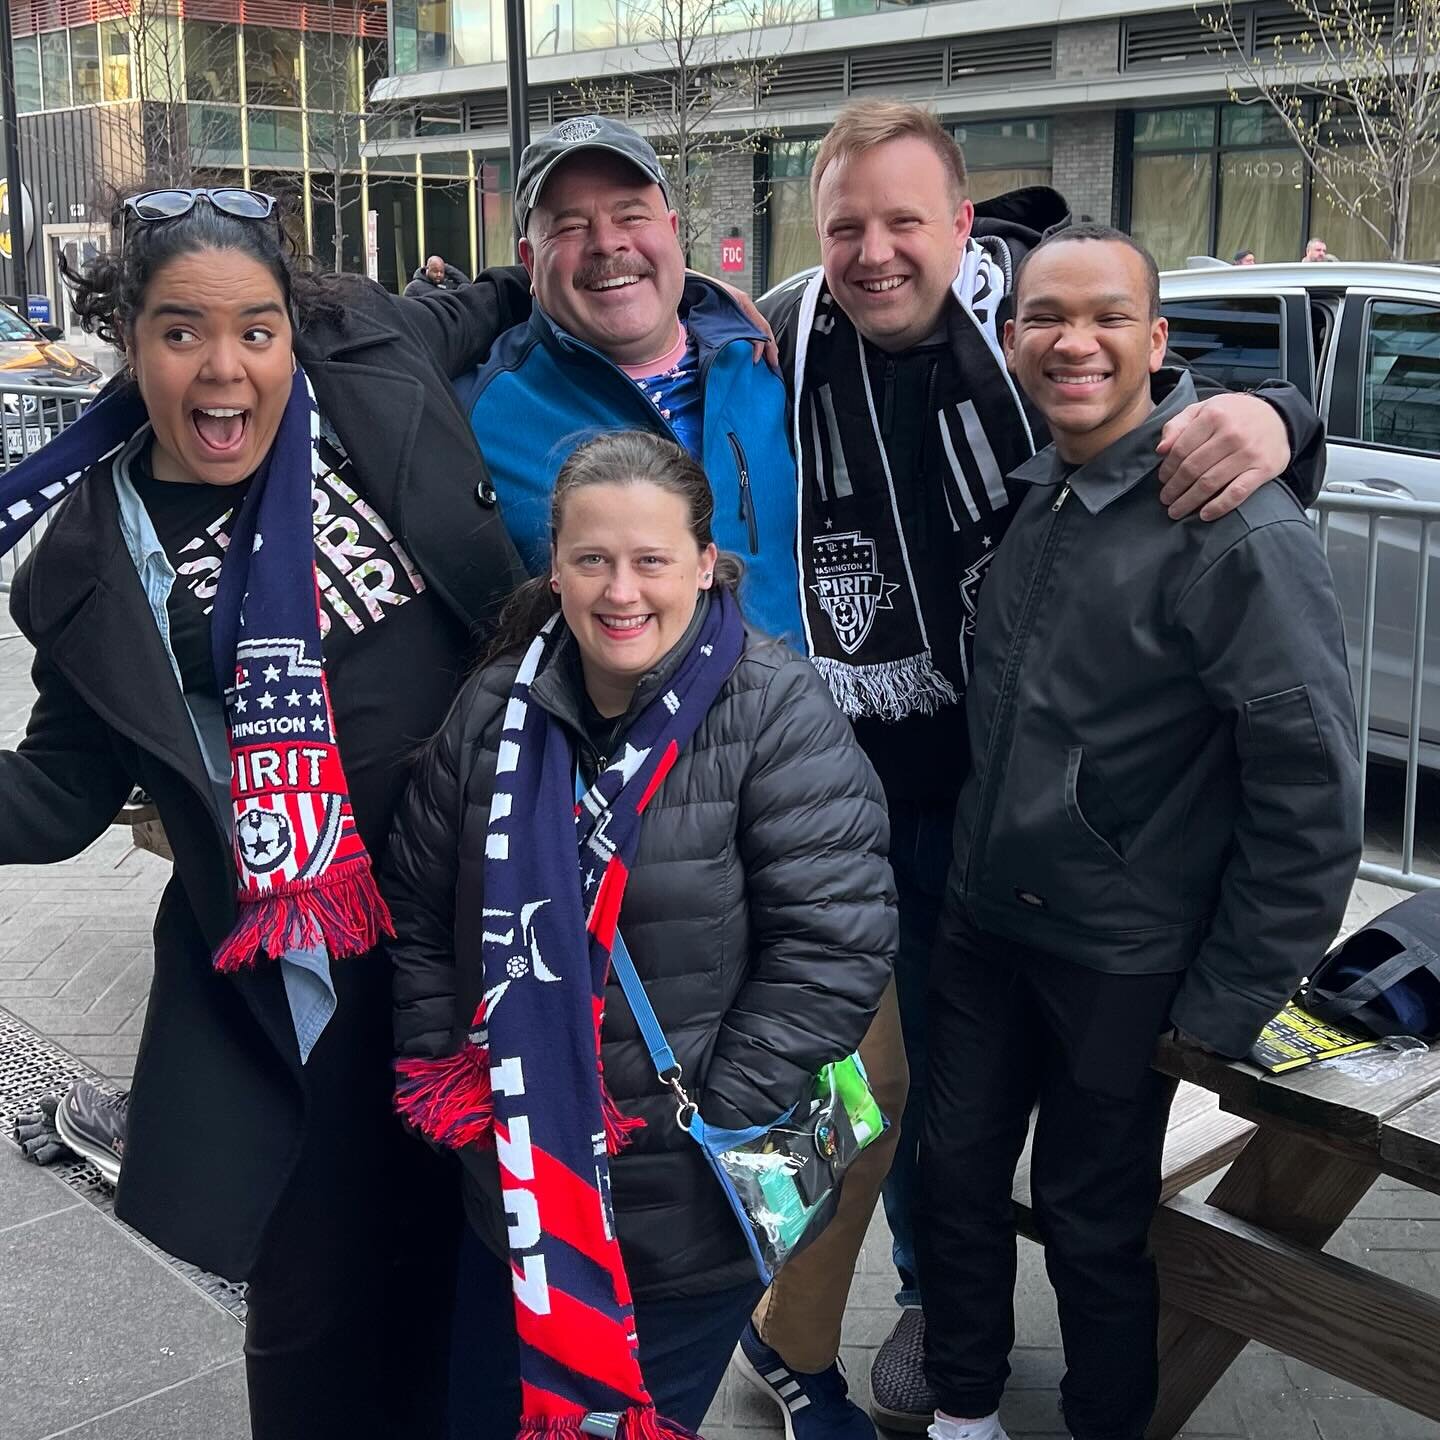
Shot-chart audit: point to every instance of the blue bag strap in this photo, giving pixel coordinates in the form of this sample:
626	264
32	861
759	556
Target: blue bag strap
661	1055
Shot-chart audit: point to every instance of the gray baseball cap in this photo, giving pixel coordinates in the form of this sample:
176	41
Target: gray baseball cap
570	137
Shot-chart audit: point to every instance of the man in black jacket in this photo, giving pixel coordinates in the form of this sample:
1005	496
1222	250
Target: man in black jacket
1160	828
435	274
906	423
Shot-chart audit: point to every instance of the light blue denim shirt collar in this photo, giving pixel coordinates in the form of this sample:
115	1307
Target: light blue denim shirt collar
309	986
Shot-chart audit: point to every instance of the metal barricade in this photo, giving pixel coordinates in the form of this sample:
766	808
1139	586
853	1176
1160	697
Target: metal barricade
30	417
1380	552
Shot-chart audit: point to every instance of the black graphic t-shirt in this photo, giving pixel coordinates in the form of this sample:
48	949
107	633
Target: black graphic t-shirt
392	650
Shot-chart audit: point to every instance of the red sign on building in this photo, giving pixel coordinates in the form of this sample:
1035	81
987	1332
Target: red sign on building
732	252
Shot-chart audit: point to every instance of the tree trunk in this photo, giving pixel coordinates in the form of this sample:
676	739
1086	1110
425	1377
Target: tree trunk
336	180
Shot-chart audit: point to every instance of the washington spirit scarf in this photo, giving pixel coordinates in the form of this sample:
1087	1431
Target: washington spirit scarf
528	1075
864	626
304	877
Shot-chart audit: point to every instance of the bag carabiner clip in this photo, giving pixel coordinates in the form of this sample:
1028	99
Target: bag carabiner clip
686	1109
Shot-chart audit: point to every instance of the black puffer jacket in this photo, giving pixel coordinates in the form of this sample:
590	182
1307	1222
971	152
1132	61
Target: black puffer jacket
760	913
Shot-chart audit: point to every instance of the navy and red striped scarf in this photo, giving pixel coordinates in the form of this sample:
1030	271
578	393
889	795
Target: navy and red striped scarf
528	1075
303	874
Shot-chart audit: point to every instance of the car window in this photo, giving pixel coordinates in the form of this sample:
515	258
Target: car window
1401	402
12	327
1235	340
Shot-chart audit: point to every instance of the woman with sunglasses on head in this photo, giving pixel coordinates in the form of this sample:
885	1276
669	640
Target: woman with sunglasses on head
275	437
727	817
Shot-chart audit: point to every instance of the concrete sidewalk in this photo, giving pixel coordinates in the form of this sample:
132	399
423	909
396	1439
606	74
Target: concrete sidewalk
101	1338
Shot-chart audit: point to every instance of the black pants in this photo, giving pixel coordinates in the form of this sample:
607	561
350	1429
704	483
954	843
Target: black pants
1011	1029
347	1336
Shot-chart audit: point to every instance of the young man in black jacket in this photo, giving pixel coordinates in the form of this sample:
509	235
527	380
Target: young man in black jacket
1160	828
905	422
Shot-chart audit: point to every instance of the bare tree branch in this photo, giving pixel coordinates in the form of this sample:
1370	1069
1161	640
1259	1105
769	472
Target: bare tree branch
1356	85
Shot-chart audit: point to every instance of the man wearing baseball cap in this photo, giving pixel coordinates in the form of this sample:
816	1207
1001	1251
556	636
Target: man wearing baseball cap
622	337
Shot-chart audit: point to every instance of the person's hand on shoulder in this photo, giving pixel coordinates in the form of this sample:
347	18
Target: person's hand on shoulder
1218	452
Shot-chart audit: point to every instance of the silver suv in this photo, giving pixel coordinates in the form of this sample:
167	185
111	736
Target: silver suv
1362	342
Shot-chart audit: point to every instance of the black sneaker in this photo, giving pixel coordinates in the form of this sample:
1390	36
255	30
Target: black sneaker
91	1122
902	1399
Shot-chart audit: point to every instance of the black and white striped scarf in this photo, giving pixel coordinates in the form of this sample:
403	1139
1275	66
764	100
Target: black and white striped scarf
864	624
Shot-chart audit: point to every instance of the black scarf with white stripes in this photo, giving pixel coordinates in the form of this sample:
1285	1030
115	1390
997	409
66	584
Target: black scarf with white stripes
865	627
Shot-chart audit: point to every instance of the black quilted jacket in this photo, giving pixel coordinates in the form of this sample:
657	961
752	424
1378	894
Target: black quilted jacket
760	913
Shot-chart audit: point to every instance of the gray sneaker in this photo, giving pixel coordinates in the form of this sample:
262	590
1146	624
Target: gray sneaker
91	1122
901	1397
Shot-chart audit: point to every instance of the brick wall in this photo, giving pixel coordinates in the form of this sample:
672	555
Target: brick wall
1089	51
732	207
1084	162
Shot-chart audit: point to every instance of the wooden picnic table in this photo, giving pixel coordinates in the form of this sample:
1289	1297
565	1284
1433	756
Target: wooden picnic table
1248	1263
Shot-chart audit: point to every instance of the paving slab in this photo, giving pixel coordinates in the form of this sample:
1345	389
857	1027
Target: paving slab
210	1407
90	1320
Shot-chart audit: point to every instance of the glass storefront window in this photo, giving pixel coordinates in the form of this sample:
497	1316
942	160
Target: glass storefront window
115	65
479	33
272	66
55	68
27	74
497	213
1175	129
791	242
432	34
331	72
1007	143
274	137
161	60
85	65
406	45
214	135
595	24
212	62
447	220
986	184
1251	125
1262	194
1170	206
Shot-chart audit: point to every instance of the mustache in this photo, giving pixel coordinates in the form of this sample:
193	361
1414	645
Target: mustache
597	270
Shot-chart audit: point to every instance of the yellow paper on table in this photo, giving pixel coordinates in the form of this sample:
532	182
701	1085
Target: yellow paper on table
1295	1038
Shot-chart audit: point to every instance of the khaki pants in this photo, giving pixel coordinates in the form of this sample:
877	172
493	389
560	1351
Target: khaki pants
800	1314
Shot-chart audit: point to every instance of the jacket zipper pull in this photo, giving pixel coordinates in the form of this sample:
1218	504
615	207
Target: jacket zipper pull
1064	496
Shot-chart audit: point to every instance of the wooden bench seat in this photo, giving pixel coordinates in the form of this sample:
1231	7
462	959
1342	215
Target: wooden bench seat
1201	1139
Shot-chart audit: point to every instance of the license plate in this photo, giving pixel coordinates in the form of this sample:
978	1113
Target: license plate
34	437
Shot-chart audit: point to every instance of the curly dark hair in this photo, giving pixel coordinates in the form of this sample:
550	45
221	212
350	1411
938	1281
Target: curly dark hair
108	290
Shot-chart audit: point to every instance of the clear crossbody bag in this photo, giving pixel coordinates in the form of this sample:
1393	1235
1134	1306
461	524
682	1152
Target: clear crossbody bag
783	1179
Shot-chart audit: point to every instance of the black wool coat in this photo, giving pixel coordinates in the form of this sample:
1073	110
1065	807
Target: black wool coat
218	1111
760	914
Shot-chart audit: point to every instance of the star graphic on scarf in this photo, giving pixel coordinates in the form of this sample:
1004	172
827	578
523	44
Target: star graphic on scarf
271	673
267	702
241	705
316	698
293	698
318	723
985	541
829	524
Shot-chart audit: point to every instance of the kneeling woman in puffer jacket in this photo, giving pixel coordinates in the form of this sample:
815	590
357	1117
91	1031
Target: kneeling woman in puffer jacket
733	828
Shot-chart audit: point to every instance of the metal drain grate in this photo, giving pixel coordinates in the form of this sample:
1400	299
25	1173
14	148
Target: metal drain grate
31	1066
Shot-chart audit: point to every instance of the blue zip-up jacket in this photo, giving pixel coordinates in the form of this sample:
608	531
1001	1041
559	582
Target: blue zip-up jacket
542	392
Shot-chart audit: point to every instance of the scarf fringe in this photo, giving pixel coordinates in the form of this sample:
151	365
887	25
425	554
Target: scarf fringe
888	691
639	1422
448	1100
618	1126
345	913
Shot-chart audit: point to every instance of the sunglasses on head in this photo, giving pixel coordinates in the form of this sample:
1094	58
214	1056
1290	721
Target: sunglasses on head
156	205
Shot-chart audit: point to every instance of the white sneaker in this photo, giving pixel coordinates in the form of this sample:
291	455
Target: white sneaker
946	1427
